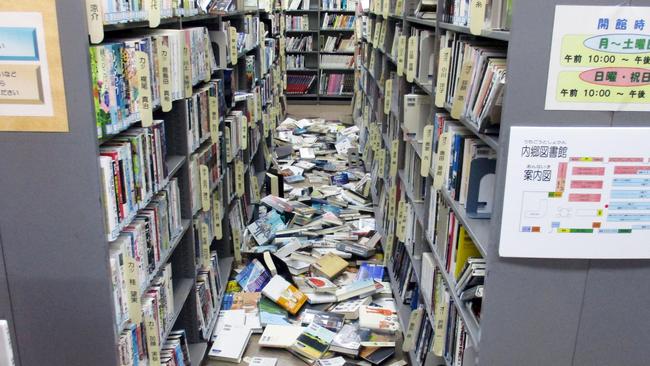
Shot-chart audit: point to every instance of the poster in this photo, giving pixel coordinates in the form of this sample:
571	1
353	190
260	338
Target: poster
569	197
600	59
32	94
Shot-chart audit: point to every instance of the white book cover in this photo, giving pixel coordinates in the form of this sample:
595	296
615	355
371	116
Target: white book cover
6	351
280	336
230	343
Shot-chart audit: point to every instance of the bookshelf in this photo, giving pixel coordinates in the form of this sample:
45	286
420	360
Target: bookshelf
534	311
313	59
62	304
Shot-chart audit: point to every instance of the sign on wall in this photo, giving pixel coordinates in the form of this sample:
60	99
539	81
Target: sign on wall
600	59
569	197
32	95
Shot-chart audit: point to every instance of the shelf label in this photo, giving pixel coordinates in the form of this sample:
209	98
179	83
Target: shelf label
411	62
164	70
401	208
236	244
378	138
187	71
442	160
244	134
228	143
381	161
266	120
401	55
388	95
386	8
206	55
233	45
204	176
477	16
443	73
153	339
394	157
144	96
214	115
461	90
95	19
393	201
133	289
153	12
205	244
239	178
382	36
216	217
389	247
427	148
255	187
375	38
399	7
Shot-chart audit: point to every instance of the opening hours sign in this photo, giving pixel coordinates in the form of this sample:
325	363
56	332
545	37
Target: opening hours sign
600	59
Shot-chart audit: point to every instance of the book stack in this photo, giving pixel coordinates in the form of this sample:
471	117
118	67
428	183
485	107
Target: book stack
117	67
313	279
339	44
149	319
339	5
297	22
338	21
336	84
295	62
303	43
299	84
336	61
476	81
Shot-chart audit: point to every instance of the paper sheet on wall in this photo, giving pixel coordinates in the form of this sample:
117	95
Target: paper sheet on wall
568	197
600	59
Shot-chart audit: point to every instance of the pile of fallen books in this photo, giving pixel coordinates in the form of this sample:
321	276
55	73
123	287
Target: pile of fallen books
313	279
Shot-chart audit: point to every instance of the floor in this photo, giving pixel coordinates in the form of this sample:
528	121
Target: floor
298	111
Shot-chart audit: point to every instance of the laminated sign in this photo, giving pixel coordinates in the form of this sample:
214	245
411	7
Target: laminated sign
600	59
568	197
32	94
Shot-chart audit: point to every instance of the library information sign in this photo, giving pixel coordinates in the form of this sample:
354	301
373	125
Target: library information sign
600	59
568	197
32	94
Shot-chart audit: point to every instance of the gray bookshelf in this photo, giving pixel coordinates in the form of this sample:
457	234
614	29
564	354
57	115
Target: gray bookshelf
535	311
55	284
313	58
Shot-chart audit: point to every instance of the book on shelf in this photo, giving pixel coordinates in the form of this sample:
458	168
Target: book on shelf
492	14
337	21
339	5
426	9
299	84
336	84
299	43
297	22
336	61
475	83
337	44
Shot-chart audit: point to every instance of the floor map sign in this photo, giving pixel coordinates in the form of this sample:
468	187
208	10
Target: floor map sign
600	59
569	197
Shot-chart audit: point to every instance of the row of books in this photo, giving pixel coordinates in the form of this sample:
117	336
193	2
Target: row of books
295	61
338	43
476	80
302	43
131	11
336	84
140	338
130	77
336	61
495	14
208	290
297	22
133	169
338	21
299	84
200	113
339	5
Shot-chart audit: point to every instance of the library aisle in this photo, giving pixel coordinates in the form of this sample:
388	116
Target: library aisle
324	182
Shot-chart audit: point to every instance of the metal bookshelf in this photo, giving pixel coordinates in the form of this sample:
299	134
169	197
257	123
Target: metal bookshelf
316	16
54	248
535	311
